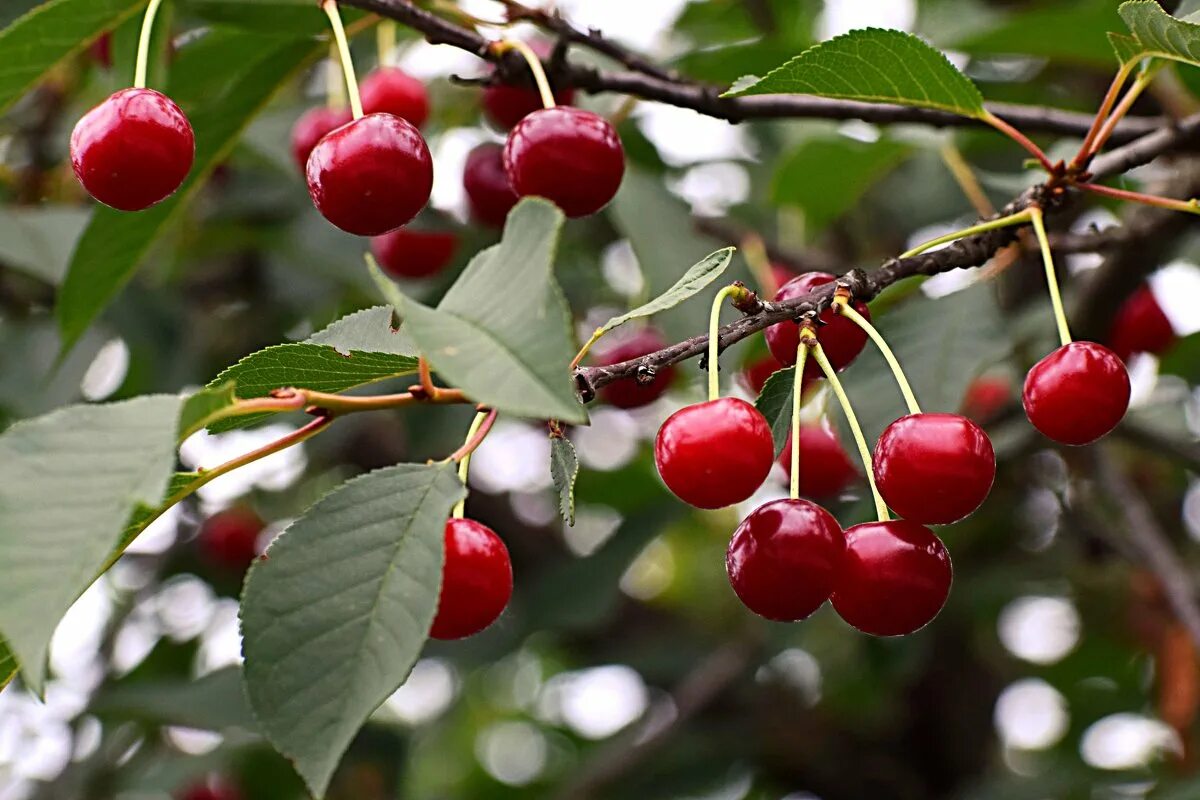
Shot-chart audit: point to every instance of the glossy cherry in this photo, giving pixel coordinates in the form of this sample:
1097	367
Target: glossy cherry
477	580
489	194
567	155
934	468
632	393
1077	394
133	150
985	397
312	127
841	339
714	454
784	558
229	538
409	253
371	175
1141	326
895	577
390	90
825	469
506	105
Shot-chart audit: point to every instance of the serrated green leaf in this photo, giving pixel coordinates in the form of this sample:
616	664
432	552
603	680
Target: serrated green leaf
502	333
1126	48
698	276
1160	34
775	403
335	615
69	482
564	469
204	407
367	331
874	65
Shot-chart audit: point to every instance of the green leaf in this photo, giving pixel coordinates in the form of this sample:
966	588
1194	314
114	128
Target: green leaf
1125	47
1160	34
215	702
502	334
144	514
775	403
204	407
698	276
8	665
874	66
267	17
564	469
334	616
1183	359
1037	30
367	331
48	35
69	482
39	239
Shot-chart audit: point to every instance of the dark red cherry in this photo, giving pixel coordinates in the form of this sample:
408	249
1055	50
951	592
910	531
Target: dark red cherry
631	393
100	50
1077	394
1141	326
894	579
489	193
934	468
409	253
754	375
841	339
567	155
985	397
312	127
714	454
133	150
506	105
212	789
477	580
825	469
371	175
229	538
780	274
390	90
784	558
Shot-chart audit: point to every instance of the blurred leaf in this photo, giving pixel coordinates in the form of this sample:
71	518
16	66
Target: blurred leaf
336	613
202	407
144	514
1160	34
214	702
1038	30
875	66
502	333
8	664
39	239
700	275
564	469
775	403
267	17
69	482
1183	359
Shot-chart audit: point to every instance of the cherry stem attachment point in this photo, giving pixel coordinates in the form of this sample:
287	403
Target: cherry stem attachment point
583	351
1087	150
1019	138
1187	206
841	305
1018	218
480	427
797	390
714	338
881	509
141	67
1060	316
385	42
535	66
330	8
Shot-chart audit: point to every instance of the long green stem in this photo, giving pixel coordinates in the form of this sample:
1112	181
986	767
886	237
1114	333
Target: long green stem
143	53
881	509
385	42
535	66
475	436
797	387
841	306
990	225
714	344
1060	316
335	87
339	35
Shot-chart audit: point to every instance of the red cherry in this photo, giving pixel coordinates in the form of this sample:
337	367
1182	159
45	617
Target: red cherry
567	155
630	393
1077	394
408	253
477	580
825	469
934	468
371	175
1141	326
784	558
507	105
133	150
213	789
895	577
841	339
780	274
389	90
312	127
101	50
714	454
229	538
985	397
755	373
489	193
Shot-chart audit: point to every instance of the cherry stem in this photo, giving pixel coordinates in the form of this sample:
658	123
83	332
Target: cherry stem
754	250
335	87
141	67
1018	218
1139	85
535	66
385	42
1019	138
965	177
841	305
583	351
330	8
480	427
1087	149
1060	316
797	390
1188	206
881	509
714	339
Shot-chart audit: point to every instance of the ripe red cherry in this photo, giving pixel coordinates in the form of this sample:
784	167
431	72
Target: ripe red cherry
371	175
630	393
841	339
477	580
985	397
312	127
781	274
1077	394
229	538
784	558
894	579
714	454
390	90
934	468
825	469
489	193
1141	326
213	789
506	105
408	253
567	155
133	150
755	373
